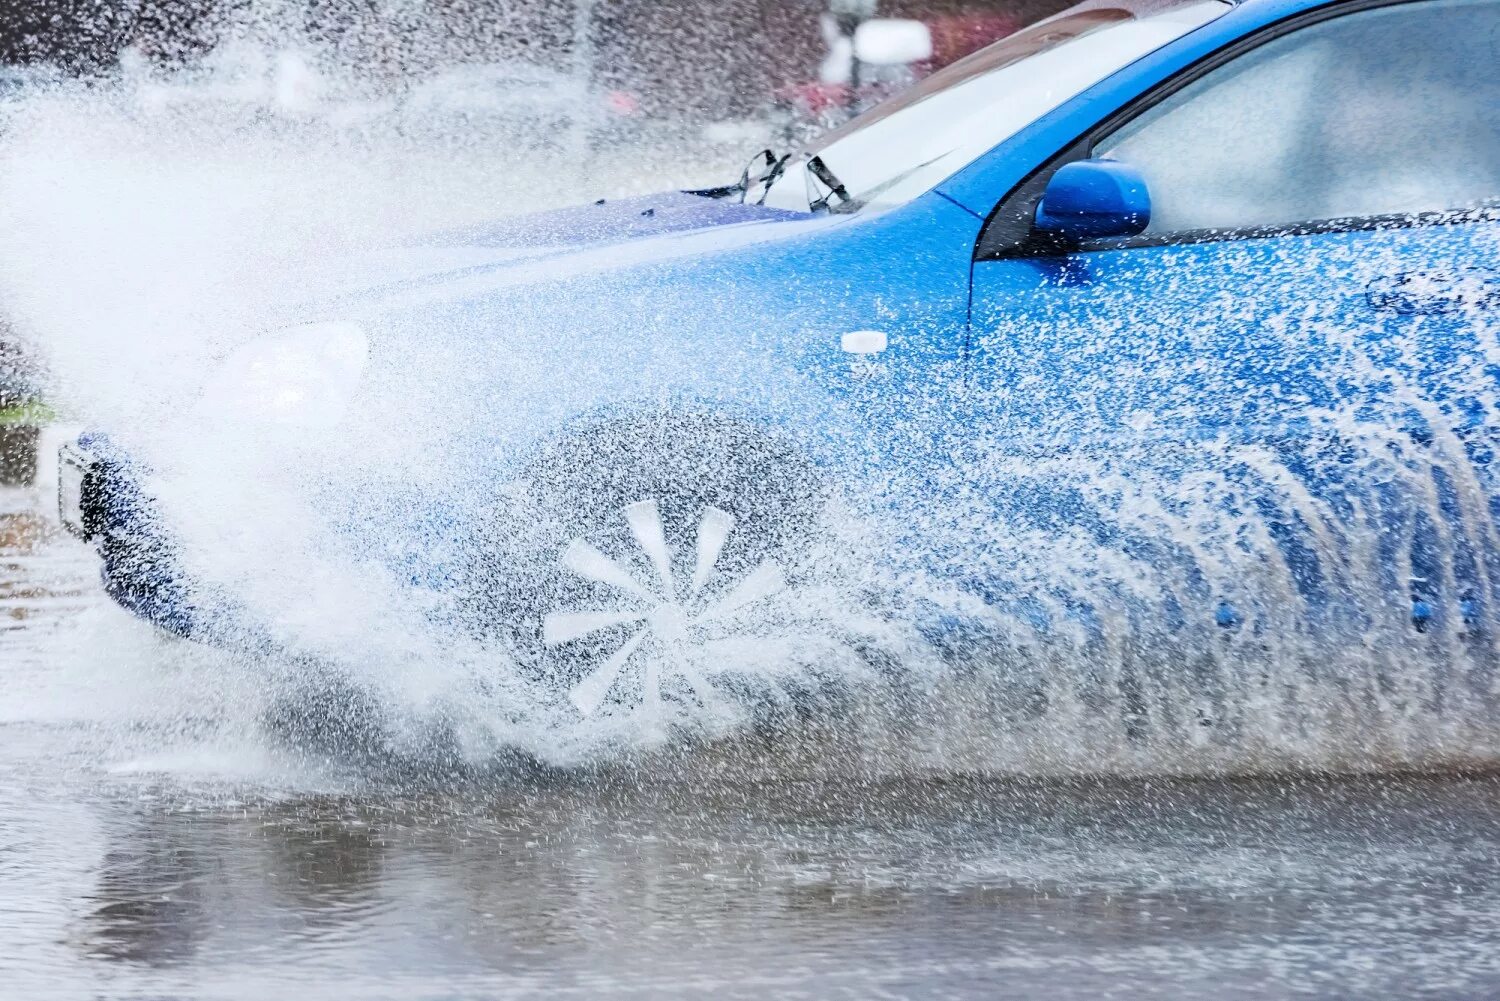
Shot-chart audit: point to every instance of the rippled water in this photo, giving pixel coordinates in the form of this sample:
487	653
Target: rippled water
146	850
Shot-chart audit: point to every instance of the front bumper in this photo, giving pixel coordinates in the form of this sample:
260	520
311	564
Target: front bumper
73	464
101	501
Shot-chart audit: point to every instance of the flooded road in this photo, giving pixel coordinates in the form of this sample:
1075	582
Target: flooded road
146	853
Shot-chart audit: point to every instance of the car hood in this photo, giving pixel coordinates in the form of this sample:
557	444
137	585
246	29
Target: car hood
562	243
611	221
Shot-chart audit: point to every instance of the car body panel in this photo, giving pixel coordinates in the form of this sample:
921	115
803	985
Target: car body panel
747	316
1275	361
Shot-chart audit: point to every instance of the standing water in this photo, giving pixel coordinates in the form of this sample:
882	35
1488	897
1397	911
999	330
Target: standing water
970	831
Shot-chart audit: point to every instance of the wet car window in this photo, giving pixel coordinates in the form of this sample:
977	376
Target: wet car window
1387	111
905	147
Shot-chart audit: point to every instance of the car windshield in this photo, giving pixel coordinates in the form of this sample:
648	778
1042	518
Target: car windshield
909	144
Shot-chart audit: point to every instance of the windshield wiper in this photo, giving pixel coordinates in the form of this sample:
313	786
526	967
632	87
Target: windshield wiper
774	167
830	181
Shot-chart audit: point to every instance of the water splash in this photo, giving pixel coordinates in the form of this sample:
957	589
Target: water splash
1162	622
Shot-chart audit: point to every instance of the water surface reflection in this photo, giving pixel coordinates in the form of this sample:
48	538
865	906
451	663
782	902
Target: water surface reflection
1333	888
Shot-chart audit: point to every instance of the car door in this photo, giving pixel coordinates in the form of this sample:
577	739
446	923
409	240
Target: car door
1278	400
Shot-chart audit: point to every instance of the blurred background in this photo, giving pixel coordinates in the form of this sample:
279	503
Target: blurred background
695	58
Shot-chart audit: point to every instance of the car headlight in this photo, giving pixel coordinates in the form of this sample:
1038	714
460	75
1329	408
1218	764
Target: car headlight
303	376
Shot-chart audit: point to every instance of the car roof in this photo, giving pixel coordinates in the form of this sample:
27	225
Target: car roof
1145	8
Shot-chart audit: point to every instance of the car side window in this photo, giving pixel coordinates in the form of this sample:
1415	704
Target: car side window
1381	112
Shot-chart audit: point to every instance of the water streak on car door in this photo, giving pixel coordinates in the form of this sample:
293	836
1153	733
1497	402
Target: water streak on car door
1305	367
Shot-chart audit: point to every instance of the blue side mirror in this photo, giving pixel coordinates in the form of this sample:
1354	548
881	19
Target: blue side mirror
1088	199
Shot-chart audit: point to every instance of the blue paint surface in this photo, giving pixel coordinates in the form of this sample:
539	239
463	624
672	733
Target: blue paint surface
1231	369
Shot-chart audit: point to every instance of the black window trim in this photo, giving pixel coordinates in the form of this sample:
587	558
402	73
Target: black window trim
1008	232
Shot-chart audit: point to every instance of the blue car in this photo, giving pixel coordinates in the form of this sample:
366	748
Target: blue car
1158	326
